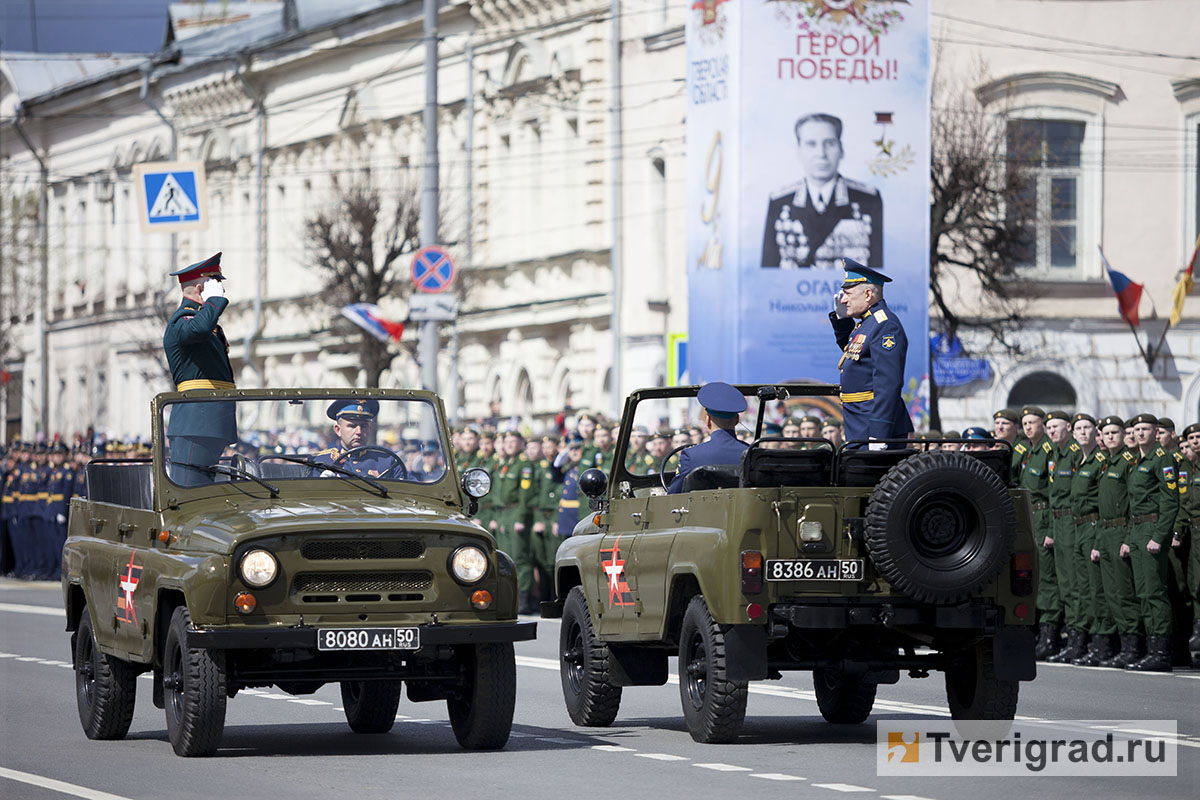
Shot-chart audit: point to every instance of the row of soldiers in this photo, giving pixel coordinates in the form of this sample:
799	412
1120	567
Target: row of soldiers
38	482
1116	506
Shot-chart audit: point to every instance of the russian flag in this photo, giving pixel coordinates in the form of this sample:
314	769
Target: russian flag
1128	293
368	317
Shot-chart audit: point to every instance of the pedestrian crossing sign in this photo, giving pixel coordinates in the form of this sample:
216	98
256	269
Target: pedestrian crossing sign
171	196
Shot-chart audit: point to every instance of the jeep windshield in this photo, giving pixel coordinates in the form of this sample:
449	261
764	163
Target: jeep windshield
369	441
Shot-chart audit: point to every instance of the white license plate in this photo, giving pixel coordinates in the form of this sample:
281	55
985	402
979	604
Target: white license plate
368	638
814	569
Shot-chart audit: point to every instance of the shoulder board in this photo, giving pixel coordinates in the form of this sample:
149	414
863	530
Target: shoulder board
1126	455
1074	447
180	313
1020	448
784	191
880	316
1158	451
544	463
859	186
522	457
1100	455
329	451
1046	447
1178	456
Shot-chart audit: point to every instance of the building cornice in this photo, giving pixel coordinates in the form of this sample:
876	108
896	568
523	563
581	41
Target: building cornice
1026	82
1186	89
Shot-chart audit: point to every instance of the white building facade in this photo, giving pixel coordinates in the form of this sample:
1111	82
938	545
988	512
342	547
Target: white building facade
308	101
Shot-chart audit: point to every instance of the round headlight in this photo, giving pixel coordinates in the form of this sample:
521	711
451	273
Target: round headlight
476	482
259	568
469	564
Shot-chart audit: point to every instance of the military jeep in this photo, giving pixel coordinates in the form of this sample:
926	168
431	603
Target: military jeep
283	561
851	562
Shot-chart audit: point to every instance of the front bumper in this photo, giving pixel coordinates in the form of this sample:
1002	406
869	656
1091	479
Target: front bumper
305	638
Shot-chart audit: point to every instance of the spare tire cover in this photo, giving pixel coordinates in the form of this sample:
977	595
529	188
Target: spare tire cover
940	526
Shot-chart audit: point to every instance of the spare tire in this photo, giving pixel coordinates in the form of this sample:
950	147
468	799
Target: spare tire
940	526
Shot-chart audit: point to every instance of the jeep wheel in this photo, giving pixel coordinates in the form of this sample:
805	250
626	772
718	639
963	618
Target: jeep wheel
592	701
194	685
843	700
105	687
714	707
370	706
481	715
973	691
940	526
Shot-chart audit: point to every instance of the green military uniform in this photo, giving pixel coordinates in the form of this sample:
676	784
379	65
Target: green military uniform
1061	469
1085	505
1116	573
1035	477
513	481
1189	522
603	461
641	463
1178	593
544	494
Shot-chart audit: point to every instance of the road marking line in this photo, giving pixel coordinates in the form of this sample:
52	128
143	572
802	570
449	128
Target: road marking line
58	786
662	757
776	776
555	740
613	748
305	701
722	767
8	655
904	797
29	658
843	787
413	719
515	735
21	608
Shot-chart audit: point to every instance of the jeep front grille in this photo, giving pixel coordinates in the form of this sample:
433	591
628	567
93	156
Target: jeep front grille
361	549
381	582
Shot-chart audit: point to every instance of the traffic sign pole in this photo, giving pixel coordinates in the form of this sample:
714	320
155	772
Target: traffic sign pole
429	189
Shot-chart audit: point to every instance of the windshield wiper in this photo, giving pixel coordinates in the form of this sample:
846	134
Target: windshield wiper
379	487
233	471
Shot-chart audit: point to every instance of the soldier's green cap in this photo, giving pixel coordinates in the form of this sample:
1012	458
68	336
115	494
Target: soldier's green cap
487	434
932	436
588	416
641	430
1034	410
1166	422
1190	429
831	423
660	435
952	435
471	429
810	418
1079	417
550	438
1056	414
1143	418
1008	414
1112	419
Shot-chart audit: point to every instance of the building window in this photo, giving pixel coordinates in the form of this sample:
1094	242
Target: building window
1047	390
1049	154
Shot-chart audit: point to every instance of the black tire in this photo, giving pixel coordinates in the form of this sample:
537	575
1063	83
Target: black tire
583	667
105	686
841	699
193	691
714	707
482	713
940	526
974	693
370	706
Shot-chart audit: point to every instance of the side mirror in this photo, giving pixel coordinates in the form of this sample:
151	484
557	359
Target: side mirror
593	482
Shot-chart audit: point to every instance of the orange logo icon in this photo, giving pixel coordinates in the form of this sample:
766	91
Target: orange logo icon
909	752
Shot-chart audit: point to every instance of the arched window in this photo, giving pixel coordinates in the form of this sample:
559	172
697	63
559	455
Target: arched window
1047	390
523	402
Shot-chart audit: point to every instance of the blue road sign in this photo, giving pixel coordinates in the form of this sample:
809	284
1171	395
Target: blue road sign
171	195
432	270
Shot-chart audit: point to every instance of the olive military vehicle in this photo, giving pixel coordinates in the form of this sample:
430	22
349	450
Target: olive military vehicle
282	565
854	563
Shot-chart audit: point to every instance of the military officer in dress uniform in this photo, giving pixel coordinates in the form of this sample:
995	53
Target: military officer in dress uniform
565	472
198	355
874	348
722	406
826	216
354	426
59	486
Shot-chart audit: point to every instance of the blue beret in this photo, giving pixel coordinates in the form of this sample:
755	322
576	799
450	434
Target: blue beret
976	433
721	400
772	428
209	268
352	407
857	273
574	440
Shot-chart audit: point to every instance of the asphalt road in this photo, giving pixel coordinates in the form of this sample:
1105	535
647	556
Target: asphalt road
276	745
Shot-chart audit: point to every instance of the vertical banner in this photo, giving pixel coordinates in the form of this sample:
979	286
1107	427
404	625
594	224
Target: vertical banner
808	141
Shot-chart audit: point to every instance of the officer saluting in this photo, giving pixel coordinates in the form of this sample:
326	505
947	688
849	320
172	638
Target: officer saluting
722	404
354	426
198	355
872	364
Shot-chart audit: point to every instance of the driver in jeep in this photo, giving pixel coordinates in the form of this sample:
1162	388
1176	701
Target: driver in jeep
354	427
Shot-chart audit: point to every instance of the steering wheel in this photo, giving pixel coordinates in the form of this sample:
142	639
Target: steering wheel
662	475
389	473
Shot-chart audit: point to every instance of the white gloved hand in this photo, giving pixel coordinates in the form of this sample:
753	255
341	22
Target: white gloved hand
60	519
327	473
211	288
877	446
561	459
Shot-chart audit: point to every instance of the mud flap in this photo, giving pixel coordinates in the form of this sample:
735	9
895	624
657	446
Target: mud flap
636	666
1012	653
745	652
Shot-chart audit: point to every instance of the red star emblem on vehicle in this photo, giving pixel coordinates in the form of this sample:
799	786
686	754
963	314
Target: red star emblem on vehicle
127	586
614	568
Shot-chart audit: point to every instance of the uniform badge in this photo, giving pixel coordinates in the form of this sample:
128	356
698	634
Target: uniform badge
1169	473
889	342
127	584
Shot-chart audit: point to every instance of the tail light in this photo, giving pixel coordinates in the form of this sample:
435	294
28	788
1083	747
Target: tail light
752	572
1022	574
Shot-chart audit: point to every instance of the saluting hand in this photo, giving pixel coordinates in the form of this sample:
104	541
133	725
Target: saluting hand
211	288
